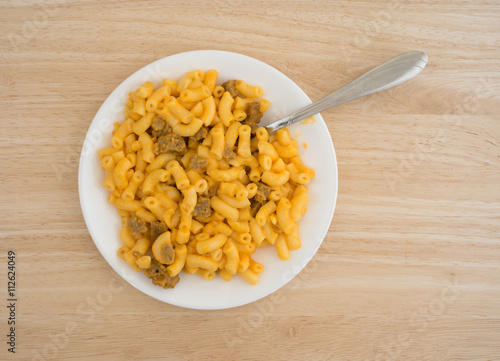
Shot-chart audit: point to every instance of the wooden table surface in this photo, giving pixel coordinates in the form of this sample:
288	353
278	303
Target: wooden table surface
410	268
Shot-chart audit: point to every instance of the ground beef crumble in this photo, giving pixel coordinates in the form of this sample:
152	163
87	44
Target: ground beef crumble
263	192
196	162
157	228
159	127
159	276
137	226
253	115
228	153
200	134
171	142
202	208
230	86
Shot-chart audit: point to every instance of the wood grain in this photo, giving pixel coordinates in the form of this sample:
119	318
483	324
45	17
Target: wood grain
410	269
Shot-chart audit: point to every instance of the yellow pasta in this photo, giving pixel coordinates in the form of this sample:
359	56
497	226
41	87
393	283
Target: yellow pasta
211	244
228	189
160	161
216	227
122	251
274	179
129	192
226	175
119	173
139	108
252	189
156	97
179	262
145	90
166	115
147	147
301	167
250	276
241	192
296	175
179	174
298	204
118	155
210	79
104	152
184	228
225	105
264	105
286	151
144	123
200	184
194	260
144	262
129	141
231	213
241	103
131	259
153	204
141	246
123	131
264	212
190	198
180	112
189	129
225	275
218	142
248	248
127	238
256	232
283	214
248	90
292	239
232	135
234	202
239	115
145	215
199	187
195	95
278	166
162	248
133	206
157	176
255	267
197	110
244	262
196	226
206	274
173	86
282	248
268	149
269	232
209	110
140	164
108	164
244	133
218	91
216	255
261	134
232	258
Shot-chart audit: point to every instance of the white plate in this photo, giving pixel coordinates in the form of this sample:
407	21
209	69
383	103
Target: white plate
103	221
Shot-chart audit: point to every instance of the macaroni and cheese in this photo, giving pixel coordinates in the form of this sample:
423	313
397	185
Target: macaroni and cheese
198	184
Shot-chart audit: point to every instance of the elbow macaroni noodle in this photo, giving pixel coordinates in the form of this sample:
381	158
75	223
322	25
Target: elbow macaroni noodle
228	189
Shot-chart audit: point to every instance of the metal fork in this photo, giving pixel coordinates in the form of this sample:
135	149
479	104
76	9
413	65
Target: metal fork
388	74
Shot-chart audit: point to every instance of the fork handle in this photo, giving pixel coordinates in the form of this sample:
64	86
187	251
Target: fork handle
386	75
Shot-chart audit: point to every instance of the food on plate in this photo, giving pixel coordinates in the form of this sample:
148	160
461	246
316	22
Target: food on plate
198	184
